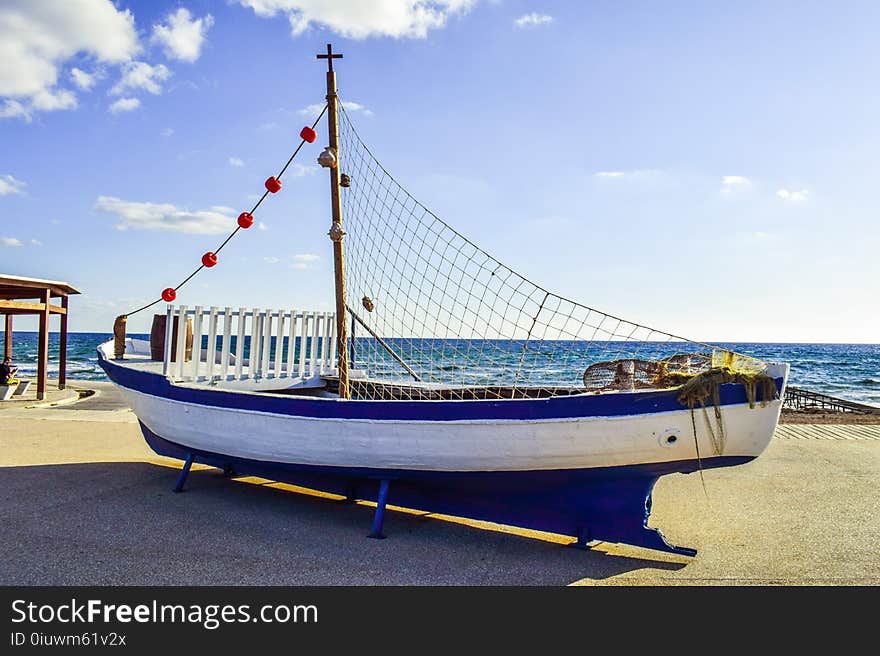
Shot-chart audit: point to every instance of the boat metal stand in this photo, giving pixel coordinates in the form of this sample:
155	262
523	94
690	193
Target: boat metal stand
350	496
228	471
379	517
181	480
583	540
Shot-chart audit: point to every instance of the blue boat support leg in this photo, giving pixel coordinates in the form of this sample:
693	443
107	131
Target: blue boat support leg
181	480
583	540
379	517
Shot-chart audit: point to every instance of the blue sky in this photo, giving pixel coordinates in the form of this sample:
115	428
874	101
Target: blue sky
707	169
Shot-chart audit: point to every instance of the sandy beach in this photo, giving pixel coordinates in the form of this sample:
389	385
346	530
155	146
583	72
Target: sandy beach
86	502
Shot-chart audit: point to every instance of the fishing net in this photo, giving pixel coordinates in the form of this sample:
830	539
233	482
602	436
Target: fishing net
433	316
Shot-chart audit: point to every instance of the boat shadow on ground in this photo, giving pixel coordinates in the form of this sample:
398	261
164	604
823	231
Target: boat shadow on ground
121	524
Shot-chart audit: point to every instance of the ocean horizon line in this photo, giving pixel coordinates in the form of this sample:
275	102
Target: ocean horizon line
109	333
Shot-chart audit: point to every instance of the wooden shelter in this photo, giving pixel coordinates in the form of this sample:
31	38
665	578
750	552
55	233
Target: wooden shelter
20	295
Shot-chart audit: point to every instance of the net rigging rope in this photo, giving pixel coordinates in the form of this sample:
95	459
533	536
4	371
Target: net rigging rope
467	326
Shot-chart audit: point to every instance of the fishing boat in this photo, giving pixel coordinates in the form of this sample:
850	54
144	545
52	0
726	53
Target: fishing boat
444	381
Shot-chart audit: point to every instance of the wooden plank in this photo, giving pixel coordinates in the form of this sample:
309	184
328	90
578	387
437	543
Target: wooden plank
256	338
32	307
313	352
181	342
302	344
251	369
291	342
279	343
227	339
318	364
267	343
329	342
169	336
239	343
22	305
211	351
197	344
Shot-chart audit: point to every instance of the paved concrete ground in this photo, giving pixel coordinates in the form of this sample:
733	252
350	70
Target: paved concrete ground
84	501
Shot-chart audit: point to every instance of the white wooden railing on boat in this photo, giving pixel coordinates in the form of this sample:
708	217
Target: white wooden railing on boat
249	345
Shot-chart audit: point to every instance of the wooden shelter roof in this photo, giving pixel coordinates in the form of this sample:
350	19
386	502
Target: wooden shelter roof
15	286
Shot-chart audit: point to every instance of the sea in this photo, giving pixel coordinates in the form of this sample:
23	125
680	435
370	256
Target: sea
847	371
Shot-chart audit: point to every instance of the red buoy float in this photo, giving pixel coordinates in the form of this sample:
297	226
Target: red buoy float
273	184
209	259
308	134
245	220
168	294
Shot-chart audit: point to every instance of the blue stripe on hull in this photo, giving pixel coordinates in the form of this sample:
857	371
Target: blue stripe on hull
559	407
611	504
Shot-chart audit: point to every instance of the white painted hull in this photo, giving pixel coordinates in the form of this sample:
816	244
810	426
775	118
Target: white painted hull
455	445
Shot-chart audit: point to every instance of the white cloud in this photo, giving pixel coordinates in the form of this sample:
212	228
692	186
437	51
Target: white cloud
730	181
9	185
642	176
533	20
83	80
10	241
356	107
235	161
731	184
38	37
166	217
182	36
304	261
124	105
13	109
262	226
298	170
36	242
314	110
141	75
167	132
272	260
48	101
358	20
311	110
793	196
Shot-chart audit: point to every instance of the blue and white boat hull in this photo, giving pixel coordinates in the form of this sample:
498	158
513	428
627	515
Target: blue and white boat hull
581	465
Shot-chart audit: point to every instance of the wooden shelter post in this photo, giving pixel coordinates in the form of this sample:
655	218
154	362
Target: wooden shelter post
62	346
7	337
43	350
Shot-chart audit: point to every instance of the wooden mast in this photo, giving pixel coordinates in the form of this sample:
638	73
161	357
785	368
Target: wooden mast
336	232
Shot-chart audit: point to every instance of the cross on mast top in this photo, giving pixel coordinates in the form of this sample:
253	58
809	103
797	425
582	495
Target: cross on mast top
330	56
